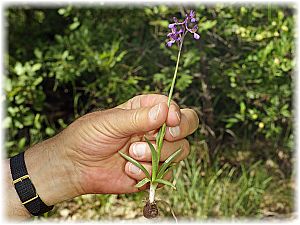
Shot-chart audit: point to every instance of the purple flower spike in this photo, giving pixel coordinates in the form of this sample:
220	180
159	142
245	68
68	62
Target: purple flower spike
171	25
196	36
180	29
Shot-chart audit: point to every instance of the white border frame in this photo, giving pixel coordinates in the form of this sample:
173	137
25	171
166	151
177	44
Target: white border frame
296	100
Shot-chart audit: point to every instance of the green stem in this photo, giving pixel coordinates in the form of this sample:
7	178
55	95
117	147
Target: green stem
175	74
162	131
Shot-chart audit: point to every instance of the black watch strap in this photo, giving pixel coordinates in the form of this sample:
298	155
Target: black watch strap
25	188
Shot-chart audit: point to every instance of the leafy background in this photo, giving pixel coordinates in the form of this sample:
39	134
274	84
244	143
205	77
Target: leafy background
64	62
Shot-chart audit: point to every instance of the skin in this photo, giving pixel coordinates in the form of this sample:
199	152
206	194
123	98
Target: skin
84	157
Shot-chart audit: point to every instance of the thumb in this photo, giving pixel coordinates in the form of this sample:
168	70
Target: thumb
132	121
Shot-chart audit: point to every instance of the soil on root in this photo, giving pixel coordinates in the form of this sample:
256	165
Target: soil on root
150	210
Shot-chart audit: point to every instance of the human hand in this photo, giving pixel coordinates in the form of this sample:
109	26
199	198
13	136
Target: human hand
92	142
84	157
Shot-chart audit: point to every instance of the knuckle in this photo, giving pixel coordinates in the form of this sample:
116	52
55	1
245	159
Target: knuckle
135	118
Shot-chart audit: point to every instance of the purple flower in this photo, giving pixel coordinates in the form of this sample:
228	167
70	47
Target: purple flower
192	14
169	43
172	25
196	36
176	36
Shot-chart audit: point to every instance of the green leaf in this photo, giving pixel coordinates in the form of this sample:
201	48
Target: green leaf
160	136
19	69
207	25
49	131
171	166
169	160
136	163
7	122
21	143
38	54
74	25
37	81
165	182
142	182
242	108
154	159
37	121
121	56
36	67
157	137
162	23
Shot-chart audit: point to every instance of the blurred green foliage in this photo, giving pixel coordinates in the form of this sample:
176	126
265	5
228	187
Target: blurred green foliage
64	62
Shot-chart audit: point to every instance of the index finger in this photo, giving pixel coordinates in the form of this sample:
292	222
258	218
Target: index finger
150	100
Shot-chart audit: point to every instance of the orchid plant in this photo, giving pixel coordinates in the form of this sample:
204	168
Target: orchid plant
178	31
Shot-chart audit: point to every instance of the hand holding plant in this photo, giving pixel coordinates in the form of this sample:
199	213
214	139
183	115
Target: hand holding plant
178	32
84	158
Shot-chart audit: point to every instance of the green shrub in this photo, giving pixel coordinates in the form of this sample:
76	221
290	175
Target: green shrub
64	62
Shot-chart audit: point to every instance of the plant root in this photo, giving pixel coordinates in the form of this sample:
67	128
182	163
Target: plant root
150	210
172	211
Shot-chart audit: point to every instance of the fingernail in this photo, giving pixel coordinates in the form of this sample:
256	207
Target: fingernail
139	150
133	169
153	113
174	131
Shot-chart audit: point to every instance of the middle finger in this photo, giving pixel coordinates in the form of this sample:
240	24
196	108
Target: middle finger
142	152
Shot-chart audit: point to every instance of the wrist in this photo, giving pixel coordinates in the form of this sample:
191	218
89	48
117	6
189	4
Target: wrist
52	174
14	208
